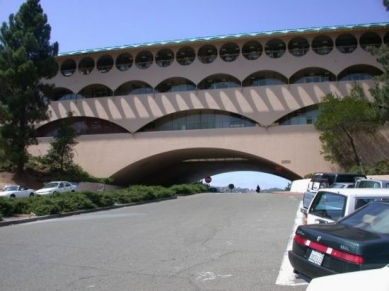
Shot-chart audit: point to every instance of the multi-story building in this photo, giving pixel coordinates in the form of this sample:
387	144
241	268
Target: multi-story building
177	111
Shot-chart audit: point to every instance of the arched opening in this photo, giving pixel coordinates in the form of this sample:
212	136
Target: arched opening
207	54
124	61
346	43
144	60
312	75
219	81
84	126
164	58
275	48
265	78
86	65
198	119
306	115
186	55
68	67
95	91
370	39
176	84
298	46
60	93
358	73
134	88
322	45
229	52
252	50
105	64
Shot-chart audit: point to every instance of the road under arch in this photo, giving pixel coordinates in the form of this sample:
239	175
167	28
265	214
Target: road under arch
191	165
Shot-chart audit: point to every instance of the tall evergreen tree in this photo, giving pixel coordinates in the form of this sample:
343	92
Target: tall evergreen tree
61	153
26	62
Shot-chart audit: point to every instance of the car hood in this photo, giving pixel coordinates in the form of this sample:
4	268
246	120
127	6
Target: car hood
360	280
45	190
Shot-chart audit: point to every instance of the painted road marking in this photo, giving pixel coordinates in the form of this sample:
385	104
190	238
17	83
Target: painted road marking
286	275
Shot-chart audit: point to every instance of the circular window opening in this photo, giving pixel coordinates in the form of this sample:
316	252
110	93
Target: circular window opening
164	58
346	43
322	45
86	65
370	39
252	50
275	48
144	59
105	64
124	62
186	56
68	67
298	46
229	52
207	54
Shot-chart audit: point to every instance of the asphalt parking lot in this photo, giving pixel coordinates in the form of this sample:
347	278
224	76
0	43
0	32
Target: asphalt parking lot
200	242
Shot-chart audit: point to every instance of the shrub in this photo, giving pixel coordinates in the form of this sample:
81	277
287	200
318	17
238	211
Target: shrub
100	199
7	206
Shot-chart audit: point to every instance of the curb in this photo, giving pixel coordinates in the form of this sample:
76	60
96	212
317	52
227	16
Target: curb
14	220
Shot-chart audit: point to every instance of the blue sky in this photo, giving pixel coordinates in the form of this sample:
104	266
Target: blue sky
87	24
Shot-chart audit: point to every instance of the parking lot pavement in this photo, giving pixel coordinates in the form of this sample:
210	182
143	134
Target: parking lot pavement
200	242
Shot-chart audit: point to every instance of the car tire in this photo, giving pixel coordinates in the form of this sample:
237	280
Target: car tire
31	195
12	196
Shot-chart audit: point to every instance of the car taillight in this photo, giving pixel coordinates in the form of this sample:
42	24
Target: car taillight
329	251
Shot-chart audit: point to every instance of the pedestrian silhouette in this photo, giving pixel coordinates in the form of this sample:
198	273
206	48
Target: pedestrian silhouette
258	189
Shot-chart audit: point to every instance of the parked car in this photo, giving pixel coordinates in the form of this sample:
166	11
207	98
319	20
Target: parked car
332	178
330	205
357	242
339	185
328	180
56	187
16	191
376	279
372	183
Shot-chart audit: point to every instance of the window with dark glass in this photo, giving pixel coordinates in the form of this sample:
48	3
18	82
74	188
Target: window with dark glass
252	50
164	57
185	56
229	52
207	54
105	64
346	43
322	45
86	65
144	59
275	48
298	46
370	39
124	61
68	67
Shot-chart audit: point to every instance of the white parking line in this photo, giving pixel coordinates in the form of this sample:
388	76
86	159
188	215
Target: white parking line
286	275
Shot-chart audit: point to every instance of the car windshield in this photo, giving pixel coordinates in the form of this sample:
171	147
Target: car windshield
51	185
329	205
10	188
374	217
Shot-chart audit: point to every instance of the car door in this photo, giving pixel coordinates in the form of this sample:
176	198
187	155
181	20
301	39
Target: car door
23	192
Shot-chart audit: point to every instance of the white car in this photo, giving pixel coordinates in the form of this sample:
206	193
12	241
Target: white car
376	279
16	191
56	187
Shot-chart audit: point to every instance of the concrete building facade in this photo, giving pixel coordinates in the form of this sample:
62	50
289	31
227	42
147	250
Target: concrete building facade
178	111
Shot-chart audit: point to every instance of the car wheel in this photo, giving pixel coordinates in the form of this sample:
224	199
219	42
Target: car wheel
31	195
12	196
55	192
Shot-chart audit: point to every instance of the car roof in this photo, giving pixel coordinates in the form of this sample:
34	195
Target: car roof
357	191
376	180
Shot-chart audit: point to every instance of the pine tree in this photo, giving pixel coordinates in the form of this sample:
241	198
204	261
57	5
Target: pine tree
60	154
26	62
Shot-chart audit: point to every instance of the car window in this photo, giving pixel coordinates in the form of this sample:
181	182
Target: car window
373	217
329	205
51	185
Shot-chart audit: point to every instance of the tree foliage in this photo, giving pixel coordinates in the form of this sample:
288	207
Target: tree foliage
380	92
60	154
26	60
342	121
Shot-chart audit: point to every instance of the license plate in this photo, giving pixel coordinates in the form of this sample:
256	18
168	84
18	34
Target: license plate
316	257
